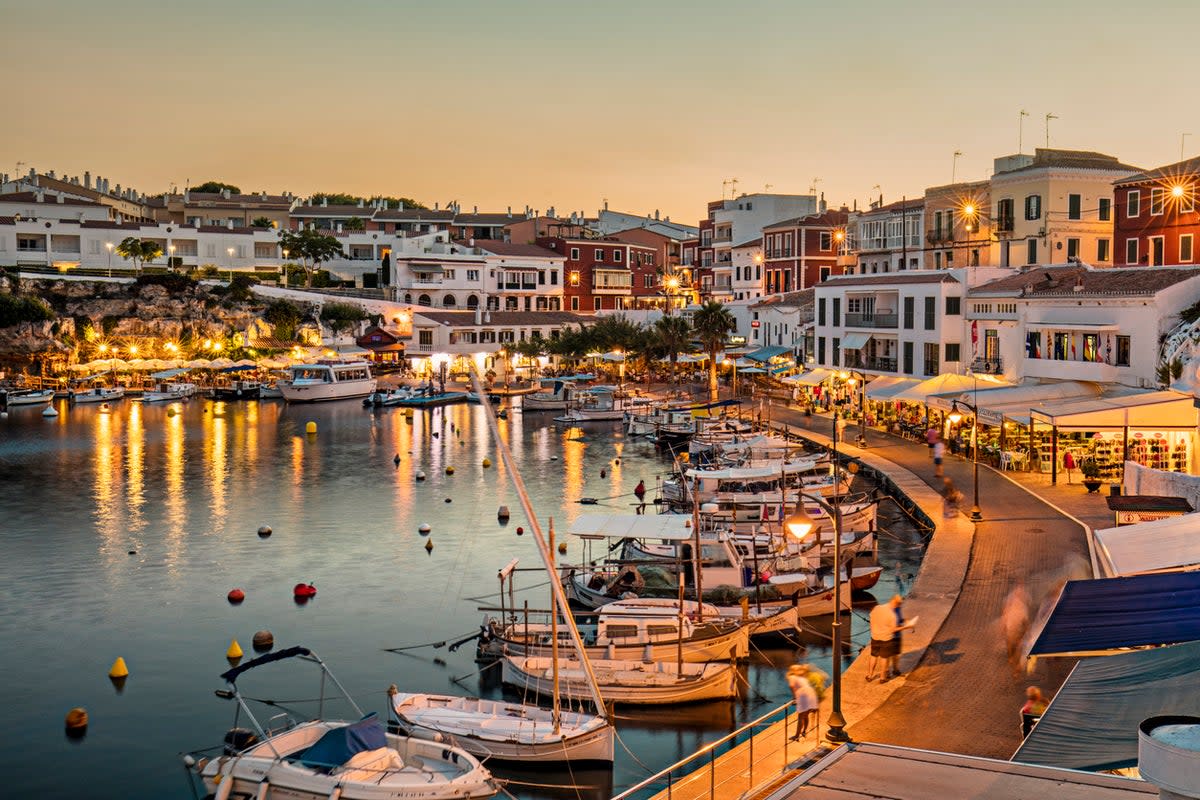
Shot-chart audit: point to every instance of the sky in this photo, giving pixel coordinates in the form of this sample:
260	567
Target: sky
650	104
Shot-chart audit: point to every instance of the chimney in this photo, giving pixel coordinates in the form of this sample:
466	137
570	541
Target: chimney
50	174
478	315
1169	755
435	207
606	205
510	212
475	209
361	203
118	189
656	218
822	207
41	195
61	200
87	180
400	205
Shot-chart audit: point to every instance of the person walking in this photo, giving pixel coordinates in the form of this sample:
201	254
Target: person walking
1031	712
1014	618
951	498
805	697
887	624
939	453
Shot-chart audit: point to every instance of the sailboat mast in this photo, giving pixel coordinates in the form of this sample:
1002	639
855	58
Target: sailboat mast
554	645
696	554
535	528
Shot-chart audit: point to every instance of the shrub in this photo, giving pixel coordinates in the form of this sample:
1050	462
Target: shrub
173	282
109	323
15	310
239	287
342	316
284	316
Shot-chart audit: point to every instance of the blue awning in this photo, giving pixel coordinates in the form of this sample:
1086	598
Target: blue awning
767	353
243	368
1093	721
1098	616
782	368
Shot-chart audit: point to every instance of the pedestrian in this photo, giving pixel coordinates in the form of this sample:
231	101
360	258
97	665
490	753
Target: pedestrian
939	453
808	416
640	490
1068	464
805	697
951	498
1032	711
887	623
841	428
1014	618
931	437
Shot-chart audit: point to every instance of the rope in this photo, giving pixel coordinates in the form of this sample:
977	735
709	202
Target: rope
476	672
629	752
439	644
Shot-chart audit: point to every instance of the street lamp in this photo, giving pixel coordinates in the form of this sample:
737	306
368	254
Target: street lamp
670	285
955	417
109	247
229	250
852	377
799	525
732	362
171	258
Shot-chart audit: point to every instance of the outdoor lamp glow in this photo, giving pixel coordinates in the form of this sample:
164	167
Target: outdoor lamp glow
1177	190
969	210
839	235
955	417
799	524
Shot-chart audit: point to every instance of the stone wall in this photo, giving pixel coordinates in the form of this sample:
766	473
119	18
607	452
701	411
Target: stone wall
1143	480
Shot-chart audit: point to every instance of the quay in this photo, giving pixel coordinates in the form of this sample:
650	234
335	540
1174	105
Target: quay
957	692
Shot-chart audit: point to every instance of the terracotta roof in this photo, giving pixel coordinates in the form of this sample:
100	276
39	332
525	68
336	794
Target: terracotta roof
47	199
500	318
414	215
803	300
750	243
239	199
107	224
1060	281
895	207
1180	169
1072	159
894	278
362	212
500	248
830	219
226	229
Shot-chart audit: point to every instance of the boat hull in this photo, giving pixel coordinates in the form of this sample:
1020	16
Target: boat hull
106	396
731	645
629	683
325	392
230	393
31	398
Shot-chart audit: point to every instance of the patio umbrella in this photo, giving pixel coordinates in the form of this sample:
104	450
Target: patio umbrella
197	363
140	365
220	363
245	362
80	368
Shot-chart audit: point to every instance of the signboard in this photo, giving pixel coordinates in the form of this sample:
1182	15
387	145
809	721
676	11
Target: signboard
1134	517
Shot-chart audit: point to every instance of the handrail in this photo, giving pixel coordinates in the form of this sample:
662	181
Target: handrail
703	751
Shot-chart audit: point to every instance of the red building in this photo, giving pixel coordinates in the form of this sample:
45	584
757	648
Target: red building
601	274
1156	220
801	252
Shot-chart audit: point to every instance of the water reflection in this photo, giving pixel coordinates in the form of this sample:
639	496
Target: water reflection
106	507
174	499
135	465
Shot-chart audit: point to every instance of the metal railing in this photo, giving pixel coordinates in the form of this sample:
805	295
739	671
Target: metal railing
872	320
987	366
739	780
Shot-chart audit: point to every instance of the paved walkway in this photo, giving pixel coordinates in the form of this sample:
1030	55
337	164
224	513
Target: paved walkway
958	693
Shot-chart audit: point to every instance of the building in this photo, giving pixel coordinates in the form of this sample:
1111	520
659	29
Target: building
125	205
802	251
906	324
1073	322
876	244
670	281
42	205
746	278
456	338
958	225
1055	206
608	222
600	272
1156	219
785	320
221	208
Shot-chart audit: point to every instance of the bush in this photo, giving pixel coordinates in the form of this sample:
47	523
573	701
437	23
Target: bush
109	323
342	316
284	316
15	310
173	282
239	287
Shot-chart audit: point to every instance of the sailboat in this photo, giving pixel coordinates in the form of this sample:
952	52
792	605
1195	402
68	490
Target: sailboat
515	731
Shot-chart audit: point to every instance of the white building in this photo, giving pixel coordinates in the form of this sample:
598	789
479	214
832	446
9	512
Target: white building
890	238
735	222
452	337
785	320
746	275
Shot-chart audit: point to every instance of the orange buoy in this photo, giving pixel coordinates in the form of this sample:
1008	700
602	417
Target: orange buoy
520	530
304	590
235	596
76	723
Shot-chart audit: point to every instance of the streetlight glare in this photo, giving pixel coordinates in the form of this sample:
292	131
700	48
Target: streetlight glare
969	210
1177	190
954	417
799	524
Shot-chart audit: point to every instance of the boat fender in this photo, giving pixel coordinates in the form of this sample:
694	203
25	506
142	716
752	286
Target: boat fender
263	640
449	500
520	531
235	596
603	473
264	531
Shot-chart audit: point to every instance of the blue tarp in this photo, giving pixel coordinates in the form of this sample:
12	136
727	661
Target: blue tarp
243	368
767	353
1093	721
1140	611
168	373
337	746
585	376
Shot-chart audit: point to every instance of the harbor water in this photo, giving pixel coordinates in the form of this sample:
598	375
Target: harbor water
124	529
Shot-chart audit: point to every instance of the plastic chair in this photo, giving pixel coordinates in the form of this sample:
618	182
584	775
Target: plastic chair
1006	461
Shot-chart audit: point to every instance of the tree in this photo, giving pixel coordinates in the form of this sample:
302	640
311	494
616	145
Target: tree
674	336
342	316
216	187
262	222
312	248
355	224
139	251
713	323
343	199
284	316
14	310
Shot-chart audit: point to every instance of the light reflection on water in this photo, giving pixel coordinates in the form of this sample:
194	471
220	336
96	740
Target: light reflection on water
188	490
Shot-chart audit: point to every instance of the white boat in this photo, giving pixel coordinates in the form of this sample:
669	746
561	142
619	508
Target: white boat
97	394
626	681
557	397
327	380
168	392
319	759
389	397
602	404
29	397
505	731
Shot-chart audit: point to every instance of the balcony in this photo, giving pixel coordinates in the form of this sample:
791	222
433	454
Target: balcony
881	364
872	321
984	366
1070	370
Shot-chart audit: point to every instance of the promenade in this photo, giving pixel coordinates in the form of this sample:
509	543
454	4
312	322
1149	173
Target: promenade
958	692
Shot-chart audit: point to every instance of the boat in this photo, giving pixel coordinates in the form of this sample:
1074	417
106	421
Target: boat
327	380
270	391
381	398
168	392
97	394
320	759
429	398
627	681
477	399
602	404
238	390
28	397
557	397
505	731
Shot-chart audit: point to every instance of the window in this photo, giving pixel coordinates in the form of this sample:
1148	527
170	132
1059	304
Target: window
854	305
1131	251
952	352
1004	214
909	313
647	281
1074	206
575	303
826	240
937	260
1157	194
1031	251
1185	247
835	355
599	254
837	312
541	277
1187	202
449	274
1033	206
1103	247
953	306
931	358
1105	209
820	349
930	313
425	339
616	256
1122	351
574	253
1072	248
596	303
554	277
1157	251
1133	204
908	358
472	274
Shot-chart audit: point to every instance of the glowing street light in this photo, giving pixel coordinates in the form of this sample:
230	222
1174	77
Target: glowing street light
109	247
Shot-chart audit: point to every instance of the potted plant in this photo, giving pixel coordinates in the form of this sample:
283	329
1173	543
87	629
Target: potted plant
1091	475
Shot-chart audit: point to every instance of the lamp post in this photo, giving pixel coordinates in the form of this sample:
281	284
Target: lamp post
670	285
109	246
956	417
733	363
800	525
229	250
852	377
969	213
170	258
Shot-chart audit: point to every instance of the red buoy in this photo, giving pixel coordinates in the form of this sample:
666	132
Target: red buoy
520	530
235	596
304	590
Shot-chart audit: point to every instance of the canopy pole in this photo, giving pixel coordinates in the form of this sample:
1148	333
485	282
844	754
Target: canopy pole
1124	446
1053	455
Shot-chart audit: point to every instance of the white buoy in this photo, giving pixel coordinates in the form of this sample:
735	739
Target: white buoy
424	528
420	475
48	412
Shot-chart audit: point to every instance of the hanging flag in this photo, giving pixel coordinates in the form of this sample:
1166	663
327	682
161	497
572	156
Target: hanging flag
1073	349
766	514
975	336
1110	349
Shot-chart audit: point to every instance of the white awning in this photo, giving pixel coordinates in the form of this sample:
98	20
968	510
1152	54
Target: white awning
1025	397
1165	410
812	377
887	385
855	341
1164	545
633	526
947	383
752	473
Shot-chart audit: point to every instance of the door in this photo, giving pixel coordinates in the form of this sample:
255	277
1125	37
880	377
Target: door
991	345
1156	251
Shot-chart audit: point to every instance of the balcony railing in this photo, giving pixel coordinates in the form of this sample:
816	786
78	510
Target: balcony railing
987	366
881	364
872	320
931	368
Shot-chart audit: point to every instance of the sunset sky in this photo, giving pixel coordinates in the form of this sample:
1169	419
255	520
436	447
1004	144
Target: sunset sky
648	104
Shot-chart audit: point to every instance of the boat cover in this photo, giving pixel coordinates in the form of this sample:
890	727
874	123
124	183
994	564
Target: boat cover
753	473
1092	723
169	373
337	746
236	368
1162	545
1097	616
279	655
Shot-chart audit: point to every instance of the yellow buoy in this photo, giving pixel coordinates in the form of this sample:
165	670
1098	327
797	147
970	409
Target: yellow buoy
310	428
562	548
234	651
487	462
449	470
119	670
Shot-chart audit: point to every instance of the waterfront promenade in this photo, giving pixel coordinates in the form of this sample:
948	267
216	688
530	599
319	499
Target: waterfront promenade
958	693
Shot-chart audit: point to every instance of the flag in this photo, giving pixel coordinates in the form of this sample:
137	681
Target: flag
1110	348
974	336
1073	358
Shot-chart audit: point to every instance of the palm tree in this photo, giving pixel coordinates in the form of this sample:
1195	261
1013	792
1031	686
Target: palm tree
674	335
712	324
139	251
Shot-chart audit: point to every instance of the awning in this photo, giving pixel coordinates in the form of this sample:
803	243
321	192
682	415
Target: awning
1097	617
426	267
1092	724
167	374
855	341
635	526
754	371
751	473
812	377
767	353
879	388
782	368
1165	410
946	383
993	401
1159	546
238	369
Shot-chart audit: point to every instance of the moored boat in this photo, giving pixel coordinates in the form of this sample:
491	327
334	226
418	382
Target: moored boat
626	681
28	397
327	380
238	390
97	394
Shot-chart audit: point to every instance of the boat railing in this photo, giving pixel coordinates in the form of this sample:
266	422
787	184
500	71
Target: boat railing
701	774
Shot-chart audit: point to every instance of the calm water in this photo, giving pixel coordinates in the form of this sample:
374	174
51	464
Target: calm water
188	493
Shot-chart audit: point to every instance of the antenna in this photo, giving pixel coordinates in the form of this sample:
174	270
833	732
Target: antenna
724	186
954	166
812	187
1048	118
733	182
767	187
1021	131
